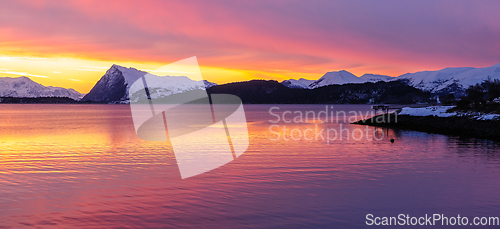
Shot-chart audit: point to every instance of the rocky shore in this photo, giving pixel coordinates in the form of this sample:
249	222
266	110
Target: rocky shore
453	125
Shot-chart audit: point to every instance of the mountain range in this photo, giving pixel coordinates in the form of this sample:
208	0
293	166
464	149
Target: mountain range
444	81
114	84
24	87
273	92
451	80
336	78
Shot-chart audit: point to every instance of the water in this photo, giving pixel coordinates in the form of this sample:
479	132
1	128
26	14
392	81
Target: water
73	166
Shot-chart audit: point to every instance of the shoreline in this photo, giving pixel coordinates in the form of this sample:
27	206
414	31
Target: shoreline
460	126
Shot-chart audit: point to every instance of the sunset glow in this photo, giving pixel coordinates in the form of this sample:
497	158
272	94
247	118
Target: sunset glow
72	43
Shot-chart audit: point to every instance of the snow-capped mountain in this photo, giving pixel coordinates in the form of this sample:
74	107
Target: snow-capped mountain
300	83
331	78
209	84
451	79
25	87
340	77
345	77
444	81
164	86
114	85
375	78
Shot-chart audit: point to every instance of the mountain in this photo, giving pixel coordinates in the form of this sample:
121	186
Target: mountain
441	82
272	92
164	86
114	85
209	84
335	78
24	87
301	83
375	78
451	80
338	78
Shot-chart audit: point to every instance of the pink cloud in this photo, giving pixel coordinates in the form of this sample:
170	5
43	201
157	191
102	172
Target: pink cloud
383	37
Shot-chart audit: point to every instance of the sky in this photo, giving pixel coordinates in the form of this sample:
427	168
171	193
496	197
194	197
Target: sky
72	43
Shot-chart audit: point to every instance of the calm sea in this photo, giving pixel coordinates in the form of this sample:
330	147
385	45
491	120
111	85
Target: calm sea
77	166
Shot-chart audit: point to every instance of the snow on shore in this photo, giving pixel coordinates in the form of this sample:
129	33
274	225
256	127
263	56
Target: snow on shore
440	111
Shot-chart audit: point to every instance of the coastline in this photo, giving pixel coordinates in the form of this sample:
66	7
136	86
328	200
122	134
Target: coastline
460	126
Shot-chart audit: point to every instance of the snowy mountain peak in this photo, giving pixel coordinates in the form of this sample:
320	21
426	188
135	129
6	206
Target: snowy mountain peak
447	80
209	84
114	85
375	78
451	80
130	74
335	78
338	77
27	88
300	83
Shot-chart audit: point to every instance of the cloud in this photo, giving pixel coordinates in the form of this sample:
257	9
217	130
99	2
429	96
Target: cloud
295	35
22	74
161	71
92	68
12	58
89	69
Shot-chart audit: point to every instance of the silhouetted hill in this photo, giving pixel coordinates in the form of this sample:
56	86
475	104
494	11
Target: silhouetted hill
262	91
273	92
52	100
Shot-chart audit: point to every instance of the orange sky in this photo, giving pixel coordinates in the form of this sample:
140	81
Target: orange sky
72	43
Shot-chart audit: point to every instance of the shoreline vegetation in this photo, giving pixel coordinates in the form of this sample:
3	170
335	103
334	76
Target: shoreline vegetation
45	100
38	100
460	126
273	92
482	98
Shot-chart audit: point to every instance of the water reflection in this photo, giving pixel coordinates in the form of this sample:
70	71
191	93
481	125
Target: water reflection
83	166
